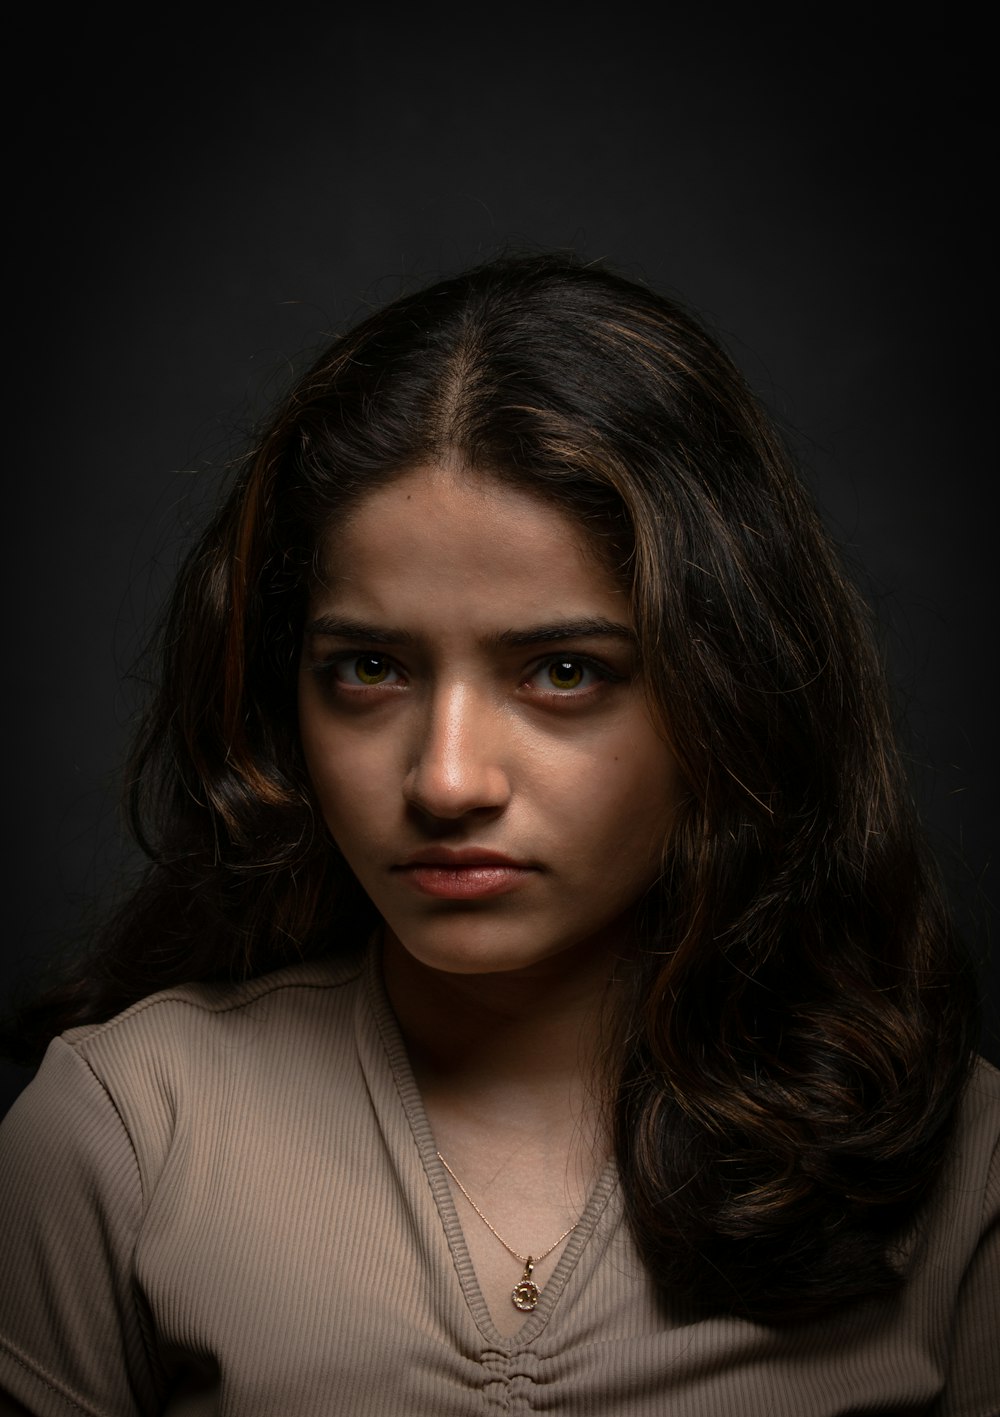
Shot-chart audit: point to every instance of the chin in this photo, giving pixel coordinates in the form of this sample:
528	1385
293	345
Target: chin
466	954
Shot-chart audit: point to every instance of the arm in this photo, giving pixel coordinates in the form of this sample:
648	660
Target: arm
71	1204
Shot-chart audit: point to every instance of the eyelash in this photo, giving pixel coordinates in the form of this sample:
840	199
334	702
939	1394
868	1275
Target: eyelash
600	673
348	661
345	661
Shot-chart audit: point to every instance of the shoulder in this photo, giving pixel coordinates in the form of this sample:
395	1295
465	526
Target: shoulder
151	1111
958	1220
976	1142
974	1164
262	1006
174	1063
957	1278
983	1091
195	1030
967	1190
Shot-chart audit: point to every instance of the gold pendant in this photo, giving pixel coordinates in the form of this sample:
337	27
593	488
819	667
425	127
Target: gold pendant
525	1294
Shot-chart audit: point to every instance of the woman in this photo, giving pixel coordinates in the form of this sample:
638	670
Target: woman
538	997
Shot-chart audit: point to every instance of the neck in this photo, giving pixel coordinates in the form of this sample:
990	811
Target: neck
519	1041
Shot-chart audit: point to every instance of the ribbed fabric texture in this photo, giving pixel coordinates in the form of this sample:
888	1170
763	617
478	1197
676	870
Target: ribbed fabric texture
228	1202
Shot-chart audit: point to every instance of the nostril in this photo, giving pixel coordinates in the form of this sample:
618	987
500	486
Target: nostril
459	764
442	791
450	798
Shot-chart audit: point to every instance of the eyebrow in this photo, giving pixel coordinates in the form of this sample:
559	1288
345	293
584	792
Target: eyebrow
592	627
595	627
342	629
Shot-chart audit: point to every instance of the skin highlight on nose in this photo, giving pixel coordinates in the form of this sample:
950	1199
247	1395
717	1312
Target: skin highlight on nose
458	759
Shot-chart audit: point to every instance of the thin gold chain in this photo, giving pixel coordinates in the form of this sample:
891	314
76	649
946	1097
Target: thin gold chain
525	1259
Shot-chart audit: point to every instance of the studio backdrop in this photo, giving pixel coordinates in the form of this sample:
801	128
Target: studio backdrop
200	202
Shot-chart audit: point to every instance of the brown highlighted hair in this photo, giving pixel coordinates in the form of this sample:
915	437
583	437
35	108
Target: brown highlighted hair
802	1019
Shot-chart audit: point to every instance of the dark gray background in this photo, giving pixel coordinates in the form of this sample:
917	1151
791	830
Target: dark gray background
198	199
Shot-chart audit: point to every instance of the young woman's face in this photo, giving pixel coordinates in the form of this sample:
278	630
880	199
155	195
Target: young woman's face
475	727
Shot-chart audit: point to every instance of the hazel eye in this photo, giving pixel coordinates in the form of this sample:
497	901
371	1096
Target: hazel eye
575	678
350	672
566	673
371	669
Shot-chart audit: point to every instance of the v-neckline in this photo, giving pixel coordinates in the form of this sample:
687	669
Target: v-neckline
440	1187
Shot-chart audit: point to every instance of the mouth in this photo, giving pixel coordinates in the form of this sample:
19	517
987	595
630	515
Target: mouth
462	873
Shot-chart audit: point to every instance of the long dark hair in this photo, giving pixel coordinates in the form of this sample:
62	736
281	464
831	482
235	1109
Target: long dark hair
802	1019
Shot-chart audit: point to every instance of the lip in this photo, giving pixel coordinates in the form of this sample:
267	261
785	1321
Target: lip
463	873
458	856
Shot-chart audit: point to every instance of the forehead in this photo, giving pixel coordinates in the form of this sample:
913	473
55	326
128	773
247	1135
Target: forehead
442	530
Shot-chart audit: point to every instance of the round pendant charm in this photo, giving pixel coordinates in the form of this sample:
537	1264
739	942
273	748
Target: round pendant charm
525	1294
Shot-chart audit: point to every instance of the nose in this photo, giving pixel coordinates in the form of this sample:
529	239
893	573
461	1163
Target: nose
458	764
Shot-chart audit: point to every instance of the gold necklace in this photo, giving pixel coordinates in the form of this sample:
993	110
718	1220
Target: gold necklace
524	1295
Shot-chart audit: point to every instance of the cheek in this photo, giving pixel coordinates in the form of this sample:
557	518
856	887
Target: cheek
325	760
627	809
355	782
642	777
330	792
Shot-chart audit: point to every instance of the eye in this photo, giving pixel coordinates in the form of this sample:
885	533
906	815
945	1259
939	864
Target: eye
371	669
567	675
364	671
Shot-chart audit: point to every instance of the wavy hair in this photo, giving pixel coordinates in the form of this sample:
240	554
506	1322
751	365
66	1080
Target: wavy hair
802	1017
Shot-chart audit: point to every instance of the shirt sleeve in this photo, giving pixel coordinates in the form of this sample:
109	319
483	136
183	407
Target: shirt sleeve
71	1337
973	1388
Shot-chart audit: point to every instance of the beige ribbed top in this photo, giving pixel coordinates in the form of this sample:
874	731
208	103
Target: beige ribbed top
228	1201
